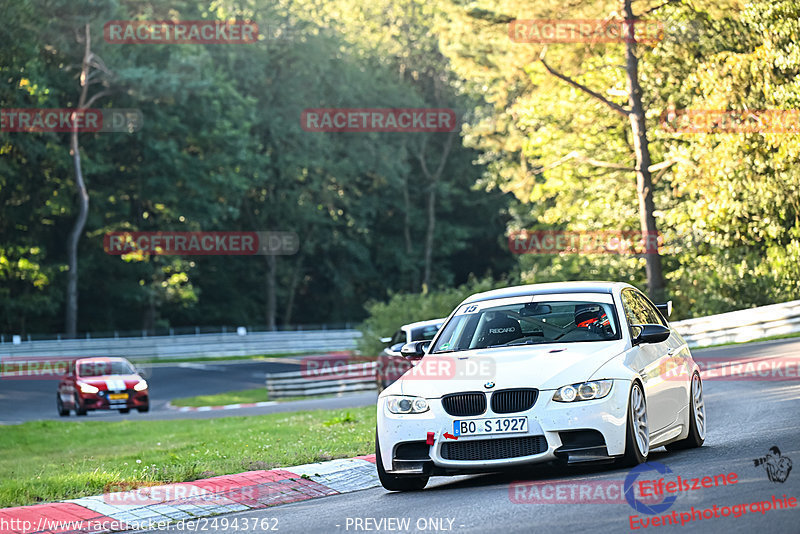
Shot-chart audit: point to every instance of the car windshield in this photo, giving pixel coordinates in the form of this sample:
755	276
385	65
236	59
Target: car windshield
105	368
528	323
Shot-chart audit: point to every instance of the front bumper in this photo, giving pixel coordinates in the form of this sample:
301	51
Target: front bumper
547	420
101	400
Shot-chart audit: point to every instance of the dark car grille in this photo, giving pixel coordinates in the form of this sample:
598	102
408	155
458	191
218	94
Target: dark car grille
513	400
464	404
494	449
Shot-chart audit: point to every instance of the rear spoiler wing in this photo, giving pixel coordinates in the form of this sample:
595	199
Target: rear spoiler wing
665	309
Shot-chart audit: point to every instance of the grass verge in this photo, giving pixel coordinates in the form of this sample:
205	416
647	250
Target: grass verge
238	397
53	460
220	399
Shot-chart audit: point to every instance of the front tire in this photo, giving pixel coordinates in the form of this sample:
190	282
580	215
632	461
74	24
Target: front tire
63	412
697	419
144	409
637	432
394	482
79	410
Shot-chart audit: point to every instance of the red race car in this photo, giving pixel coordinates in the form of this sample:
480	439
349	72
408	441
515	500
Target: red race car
102	384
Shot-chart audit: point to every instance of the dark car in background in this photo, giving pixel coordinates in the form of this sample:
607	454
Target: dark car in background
102	384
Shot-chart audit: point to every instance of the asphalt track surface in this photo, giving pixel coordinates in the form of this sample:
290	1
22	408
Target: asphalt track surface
745	419
33	400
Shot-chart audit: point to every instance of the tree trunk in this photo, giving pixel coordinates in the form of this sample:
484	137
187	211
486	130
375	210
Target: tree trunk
433	179
429	233
72	241
296	275
270	294
644	180
71	319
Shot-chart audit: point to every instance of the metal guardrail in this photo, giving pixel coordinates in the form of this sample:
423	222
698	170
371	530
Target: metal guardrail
737	326
189	346
335	379
741	325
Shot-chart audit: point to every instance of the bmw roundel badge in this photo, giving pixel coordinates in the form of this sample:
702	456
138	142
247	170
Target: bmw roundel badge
489	385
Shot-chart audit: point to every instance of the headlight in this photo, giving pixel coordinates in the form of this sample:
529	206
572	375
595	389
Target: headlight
583	391
402	404
141	386
87	388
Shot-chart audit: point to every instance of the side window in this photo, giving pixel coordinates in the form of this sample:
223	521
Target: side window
634	311
653	316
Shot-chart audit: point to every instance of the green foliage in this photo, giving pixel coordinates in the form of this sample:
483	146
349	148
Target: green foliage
403	308
221	148
727	204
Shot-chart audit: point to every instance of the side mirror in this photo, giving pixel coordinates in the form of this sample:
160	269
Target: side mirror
665	309
414	350
649	333
386	340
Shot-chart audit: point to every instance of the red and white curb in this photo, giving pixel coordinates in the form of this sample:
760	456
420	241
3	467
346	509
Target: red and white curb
223	407
135	509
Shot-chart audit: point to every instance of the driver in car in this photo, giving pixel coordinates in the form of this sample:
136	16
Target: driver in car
593	318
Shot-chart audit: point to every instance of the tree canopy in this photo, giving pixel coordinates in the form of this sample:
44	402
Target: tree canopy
381	214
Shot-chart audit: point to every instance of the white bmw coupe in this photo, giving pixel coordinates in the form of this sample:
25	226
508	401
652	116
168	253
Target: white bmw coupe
573	371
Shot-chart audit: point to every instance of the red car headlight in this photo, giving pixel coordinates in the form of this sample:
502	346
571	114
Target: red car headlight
87	388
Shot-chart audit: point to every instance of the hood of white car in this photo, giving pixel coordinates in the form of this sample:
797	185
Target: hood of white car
539	366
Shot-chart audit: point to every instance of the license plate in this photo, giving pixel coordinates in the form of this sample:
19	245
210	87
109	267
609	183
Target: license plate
117	396
500	425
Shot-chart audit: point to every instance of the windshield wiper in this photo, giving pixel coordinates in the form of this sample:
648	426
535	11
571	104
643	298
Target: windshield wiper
528	342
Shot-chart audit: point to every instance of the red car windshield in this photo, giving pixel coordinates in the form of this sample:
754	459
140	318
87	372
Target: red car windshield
105	368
